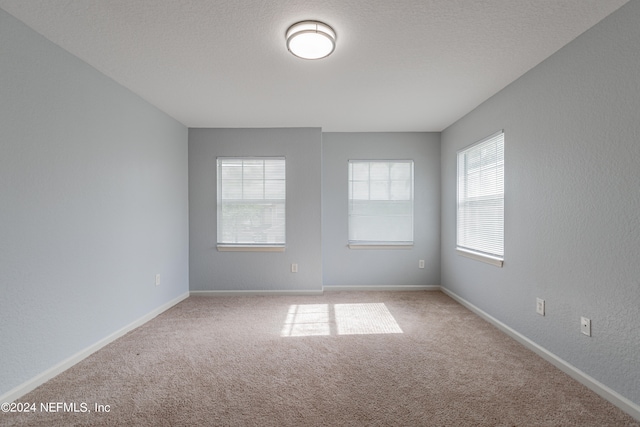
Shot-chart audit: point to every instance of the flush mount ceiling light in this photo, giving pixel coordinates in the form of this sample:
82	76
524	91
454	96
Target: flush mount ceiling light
311	40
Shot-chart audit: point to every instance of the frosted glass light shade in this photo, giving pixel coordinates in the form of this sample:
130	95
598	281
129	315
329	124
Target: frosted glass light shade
311	40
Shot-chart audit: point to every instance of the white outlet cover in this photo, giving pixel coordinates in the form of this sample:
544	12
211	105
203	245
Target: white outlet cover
585	326
540	306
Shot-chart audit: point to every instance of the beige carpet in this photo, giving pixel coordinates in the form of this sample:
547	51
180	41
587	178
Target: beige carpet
341	359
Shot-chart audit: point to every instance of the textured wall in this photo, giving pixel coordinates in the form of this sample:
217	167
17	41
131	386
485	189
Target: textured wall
93	190
347	267
214	270
572	209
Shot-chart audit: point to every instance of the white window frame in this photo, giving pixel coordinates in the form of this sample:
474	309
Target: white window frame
474	238
246	246
379	243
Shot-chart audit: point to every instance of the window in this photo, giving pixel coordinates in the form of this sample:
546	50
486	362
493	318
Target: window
251	203
380	203
480	216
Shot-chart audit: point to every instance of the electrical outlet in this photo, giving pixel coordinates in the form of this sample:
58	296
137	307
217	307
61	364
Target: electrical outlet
585	326
540	306
294	268
157	280
421	263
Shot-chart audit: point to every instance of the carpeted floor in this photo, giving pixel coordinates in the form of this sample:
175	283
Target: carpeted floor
341	359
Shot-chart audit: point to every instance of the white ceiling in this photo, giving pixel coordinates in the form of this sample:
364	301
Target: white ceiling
399	65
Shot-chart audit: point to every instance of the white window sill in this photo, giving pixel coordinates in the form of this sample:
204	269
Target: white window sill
249	248
488	259
378	246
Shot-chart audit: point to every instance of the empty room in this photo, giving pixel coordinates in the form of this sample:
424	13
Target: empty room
291	213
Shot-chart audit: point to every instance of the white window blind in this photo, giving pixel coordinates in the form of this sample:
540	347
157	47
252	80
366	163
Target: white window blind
480	214
381	202
251	201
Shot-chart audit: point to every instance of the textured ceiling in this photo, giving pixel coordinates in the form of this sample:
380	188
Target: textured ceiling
399	65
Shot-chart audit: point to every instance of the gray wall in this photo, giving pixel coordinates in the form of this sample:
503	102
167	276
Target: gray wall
572	209
316	183
214	270
348	267
93	190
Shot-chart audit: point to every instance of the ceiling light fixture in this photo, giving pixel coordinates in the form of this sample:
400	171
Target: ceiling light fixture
311	40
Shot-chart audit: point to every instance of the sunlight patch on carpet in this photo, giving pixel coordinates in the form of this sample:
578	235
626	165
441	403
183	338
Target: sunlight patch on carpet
306	320
339	319
357	319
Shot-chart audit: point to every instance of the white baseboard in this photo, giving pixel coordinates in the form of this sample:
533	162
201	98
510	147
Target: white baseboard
45	376
227	293
596	386
251	293
382	288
